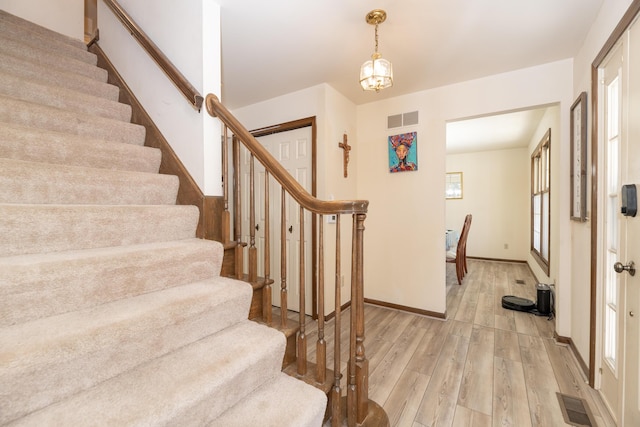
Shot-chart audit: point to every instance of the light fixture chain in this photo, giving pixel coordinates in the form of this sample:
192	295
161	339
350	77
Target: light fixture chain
376	38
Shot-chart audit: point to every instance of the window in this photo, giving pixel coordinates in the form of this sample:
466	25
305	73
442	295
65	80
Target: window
540	185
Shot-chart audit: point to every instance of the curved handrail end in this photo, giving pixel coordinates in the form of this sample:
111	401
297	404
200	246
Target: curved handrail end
211	98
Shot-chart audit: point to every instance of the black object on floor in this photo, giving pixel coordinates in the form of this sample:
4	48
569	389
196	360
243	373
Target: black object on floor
575	411
516	303
542	307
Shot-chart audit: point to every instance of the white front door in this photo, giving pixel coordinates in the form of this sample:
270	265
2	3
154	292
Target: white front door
293	150
631	175
611	302
619	363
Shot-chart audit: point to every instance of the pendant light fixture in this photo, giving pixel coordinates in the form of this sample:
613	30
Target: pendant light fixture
377	73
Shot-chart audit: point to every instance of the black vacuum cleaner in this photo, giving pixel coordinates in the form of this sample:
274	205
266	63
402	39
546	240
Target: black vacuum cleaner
542	307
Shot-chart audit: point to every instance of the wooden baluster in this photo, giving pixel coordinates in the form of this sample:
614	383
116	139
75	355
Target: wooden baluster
226	215
253	252
321	346
302	336
237	225
352	370
267	303
336	390
283	259
357	282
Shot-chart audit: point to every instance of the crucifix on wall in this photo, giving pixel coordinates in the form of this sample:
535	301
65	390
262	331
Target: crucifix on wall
345	153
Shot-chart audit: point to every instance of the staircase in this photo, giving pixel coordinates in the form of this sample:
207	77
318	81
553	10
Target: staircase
111	311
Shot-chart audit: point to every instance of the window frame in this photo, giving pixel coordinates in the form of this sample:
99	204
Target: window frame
541	186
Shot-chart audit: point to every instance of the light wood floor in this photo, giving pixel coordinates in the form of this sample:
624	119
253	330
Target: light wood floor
483	366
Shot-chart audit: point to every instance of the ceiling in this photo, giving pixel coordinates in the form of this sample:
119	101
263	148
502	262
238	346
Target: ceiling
270	48
495	132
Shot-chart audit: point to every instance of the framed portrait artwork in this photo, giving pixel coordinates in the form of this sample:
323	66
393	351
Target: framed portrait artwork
403	152
578	167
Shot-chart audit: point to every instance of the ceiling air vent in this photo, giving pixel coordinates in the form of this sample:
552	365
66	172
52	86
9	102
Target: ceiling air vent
400	120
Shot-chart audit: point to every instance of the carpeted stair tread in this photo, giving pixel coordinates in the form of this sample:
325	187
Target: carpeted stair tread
31	39
45	58
40	285
36	145
112	312
297	404
78	350
36	182
188	387
47	75
47	33
60	97
32	229
55	119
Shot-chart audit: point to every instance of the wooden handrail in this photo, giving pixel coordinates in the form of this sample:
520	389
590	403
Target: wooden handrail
297	191
355	405
181	82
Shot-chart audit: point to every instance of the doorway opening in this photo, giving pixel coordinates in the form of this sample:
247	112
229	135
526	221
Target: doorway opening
493	154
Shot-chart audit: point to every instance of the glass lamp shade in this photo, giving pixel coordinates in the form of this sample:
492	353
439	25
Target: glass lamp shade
376	74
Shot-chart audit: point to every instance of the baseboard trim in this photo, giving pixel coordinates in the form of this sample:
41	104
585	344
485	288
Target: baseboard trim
518	261
574	350
405	308
333	313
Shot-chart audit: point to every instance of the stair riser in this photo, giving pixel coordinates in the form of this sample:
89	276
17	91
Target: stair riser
79	350
47	75
33	145
47	59
43	117
31	40
37	29
37	286
66	99
223	368
29	229
32	182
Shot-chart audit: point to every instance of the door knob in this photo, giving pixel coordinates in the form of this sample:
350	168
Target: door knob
631	313
258	227
620	267
291	229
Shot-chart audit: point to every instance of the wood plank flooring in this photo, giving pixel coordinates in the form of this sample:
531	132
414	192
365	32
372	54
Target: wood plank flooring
483	366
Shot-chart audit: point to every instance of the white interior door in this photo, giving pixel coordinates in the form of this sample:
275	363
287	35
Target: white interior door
620	309
293	150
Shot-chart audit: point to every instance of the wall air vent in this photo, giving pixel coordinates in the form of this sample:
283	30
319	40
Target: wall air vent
409	119
400	120
394	121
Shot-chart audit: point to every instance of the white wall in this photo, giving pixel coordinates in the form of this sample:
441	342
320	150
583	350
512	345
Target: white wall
63	16
335	115
189	35
607	19
496	187
405	232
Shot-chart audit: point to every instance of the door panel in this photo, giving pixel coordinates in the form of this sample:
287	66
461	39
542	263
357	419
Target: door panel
631	175
611	354
620	296
293	150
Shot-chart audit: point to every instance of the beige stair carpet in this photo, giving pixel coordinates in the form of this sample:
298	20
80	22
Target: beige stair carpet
111	311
